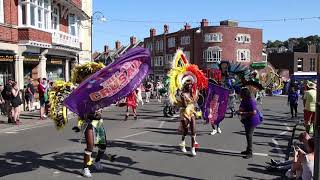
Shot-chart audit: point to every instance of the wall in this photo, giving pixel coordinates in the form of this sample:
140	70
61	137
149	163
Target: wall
85	33
34	35
283	61
306	60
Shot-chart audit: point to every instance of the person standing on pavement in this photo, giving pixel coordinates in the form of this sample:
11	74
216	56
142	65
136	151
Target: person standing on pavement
7	96
248	113
293	98
16	102
29	95
42	90
2	101
309	102
148	92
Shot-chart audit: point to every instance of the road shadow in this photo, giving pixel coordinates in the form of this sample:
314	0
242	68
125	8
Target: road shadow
262	170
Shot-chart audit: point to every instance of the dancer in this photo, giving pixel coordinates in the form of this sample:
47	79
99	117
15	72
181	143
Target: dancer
132	103
139	95
186	79
95	135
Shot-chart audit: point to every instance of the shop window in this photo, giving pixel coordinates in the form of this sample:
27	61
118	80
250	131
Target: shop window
1	12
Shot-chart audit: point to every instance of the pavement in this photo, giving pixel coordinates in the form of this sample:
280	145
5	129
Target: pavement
146	148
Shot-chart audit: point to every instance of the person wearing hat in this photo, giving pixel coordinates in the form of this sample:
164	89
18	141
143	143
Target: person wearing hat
309	102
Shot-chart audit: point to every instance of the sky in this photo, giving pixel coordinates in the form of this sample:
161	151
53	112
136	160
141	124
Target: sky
156	13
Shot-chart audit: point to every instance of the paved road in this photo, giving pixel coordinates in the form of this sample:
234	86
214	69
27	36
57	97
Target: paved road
146	148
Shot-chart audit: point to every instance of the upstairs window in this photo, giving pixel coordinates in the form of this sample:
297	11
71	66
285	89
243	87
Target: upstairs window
159	45
187	54
168	59
243	38
212	54
158	61
1	12
149	46
300	64
55	18
72	24
243	55
213	37
185	40
171	42
312	64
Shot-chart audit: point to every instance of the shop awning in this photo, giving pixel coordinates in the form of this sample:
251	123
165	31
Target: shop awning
258	65
7	52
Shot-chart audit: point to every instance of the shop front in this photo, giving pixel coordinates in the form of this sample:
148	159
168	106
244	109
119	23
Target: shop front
56	68
30	67
6	67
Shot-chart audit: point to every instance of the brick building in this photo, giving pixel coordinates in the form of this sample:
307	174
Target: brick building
40	38
296	61
205	46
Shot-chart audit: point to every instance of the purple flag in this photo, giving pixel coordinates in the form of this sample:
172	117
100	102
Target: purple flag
216	103
111	83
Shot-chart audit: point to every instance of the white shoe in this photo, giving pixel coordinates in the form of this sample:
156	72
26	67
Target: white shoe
219	131
193	151
213	132
86	173
183	147
98	166
45	116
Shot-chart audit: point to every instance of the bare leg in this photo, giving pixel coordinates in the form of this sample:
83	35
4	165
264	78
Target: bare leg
90	144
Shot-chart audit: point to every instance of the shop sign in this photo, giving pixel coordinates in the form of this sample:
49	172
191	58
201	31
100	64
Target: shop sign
31	58
6	57
56	61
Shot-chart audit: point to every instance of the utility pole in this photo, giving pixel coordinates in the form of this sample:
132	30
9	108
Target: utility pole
317	130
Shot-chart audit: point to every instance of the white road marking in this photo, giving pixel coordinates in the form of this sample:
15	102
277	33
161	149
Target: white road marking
161	124
17	129
135	134
11	132
275	142
163	144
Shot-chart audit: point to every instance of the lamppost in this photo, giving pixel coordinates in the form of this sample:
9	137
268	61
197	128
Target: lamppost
99	16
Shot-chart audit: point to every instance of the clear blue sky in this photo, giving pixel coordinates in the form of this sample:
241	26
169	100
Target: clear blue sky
193	11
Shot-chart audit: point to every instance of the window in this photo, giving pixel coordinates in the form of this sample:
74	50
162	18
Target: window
171	42
312	64
72	24
213	37
300	64
168	59
159	45
243	38
149	46
34	13
212	54
158	61
243	55
185	40
55	18
1	12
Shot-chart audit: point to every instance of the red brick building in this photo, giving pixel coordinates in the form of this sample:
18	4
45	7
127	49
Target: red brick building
205	46
39	38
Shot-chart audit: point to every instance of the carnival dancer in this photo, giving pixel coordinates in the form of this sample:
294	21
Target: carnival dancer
132	103
186	79
94	133
139	95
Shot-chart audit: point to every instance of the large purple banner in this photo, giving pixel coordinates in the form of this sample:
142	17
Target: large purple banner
111	83
216	102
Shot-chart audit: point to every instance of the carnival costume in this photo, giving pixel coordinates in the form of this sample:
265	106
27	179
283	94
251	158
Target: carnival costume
185	82
91	125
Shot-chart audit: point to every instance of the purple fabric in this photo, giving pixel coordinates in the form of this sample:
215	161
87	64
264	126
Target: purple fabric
216	103
111	83
249	105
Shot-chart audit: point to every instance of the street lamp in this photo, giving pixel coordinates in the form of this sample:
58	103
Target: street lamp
100	17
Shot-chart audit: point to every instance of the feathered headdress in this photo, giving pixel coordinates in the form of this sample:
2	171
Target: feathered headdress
181	72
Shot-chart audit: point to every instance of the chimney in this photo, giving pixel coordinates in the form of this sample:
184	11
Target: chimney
118	45
230	23
106	49
153	32
187	26
133	40
204	23
312	48
165	29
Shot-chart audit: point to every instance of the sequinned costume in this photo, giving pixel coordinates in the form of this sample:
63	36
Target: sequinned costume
185	82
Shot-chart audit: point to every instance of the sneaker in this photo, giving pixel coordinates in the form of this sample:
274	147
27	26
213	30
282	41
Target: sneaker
86	173
45	116
98	166
183	147
193	151
219	131
213	132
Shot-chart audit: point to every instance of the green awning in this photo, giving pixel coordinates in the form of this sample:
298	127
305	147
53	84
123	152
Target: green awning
258	65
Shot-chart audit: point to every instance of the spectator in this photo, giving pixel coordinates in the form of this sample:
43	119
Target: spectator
29	95
148	92
2	101
16	102
43	97
249	115
7	96
309	102
139	95
293	98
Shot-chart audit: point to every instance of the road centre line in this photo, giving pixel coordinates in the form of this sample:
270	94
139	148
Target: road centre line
143	132
170	145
